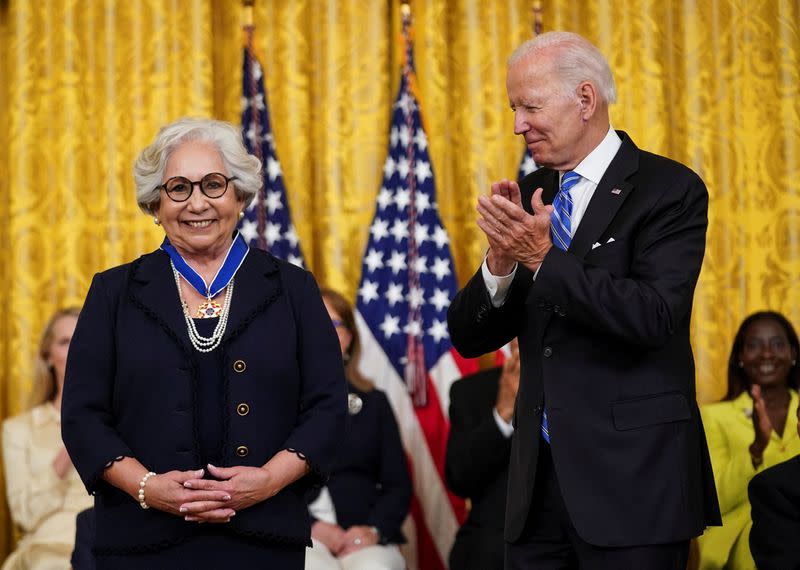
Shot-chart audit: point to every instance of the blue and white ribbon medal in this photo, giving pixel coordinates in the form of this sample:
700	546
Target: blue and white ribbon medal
233	260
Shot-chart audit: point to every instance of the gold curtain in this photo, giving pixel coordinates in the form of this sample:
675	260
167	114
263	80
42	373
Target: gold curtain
711	83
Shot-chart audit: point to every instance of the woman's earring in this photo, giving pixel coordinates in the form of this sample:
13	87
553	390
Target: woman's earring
241	214
741	364
794	361
156	221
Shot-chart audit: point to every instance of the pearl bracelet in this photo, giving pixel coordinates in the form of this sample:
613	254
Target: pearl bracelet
142	483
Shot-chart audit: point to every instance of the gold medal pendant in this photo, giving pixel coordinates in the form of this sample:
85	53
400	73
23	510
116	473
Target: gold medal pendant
208	310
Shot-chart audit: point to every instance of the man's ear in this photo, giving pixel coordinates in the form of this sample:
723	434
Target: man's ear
587	99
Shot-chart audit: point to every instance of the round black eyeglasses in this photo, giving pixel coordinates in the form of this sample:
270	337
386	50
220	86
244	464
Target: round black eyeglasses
180	188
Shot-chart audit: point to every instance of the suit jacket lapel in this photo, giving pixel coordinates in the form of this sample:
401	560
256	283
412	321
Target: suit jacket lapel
256	285
153	290
608	197
543	178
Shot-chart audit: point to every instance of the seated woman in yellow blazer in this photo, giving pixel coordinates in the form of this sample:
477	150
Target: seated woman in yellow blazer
753	428
44	490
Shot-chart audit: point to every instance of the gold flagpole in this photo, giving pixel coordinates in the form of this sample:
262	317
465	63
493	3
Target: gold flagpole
247	14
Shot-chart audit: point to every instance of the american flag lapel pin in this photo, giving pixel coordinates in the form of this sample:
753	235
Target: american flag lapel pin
616	191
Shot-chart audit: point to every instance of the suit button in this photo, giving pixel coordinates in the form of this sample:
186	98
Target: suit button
537	410
243	409
239	366
242	451
548	352
481	314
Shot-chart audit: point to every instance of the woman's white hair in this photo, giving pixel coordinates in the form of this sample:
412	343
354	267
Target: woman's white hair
575	60
149	167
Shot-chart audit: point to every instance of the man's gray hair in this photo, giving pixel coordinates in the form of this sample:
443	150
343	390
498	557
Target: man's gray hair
149	167
575	60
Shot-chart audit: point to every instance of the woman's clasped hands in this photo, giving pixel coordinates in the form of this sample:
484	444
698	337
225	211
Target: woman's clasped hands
188	494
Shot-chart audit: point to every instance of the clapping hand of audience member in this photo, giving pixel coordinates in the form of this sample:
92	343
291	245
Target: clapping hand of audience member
509	383
762	425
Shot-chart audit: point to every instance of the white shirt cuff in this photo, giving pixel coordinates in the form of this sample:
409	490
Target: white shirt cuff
322	507
497	286
505	427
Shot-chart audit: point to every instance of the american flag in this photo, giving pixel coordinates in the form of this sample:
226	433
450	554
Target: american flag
267	221
407	282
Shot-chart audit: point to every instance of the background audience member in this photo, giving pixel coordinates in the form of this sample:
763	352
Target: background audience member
753	428
44	491
476	465
357	516
775	510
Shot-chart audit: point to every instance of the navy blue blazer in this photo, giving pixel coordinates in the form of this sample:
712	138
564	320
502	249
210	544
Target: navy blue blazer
604	345
130	390
370	484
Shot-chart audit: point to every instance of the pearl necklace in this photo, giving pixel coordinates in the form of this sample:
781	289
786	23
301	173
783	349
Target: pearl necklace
199	342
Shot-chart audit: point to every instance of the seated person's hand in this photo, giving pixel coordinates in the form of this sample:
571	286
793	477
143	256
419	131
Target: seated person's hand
356	538
62	463
331	535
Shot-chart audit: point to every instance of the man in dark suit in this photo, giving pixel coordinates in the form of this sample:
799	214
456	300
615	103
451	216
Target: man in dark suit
476	464
775	508
609	464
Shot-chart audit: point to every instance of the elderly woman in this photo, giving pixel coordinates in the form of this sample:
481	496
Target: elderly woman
357	516
755	427
44	490
204	382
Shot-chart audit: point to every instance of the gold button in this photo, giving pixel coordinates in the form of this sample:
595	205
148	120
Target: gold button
239	366
242	451
242	409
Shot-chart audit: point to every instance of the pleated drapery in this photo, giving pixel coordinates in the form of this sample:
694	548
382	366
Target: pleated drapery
86	85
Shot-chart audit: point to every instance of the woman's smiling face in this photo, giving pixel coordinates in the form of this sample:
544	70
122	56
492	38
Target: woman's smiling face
766	356
201	225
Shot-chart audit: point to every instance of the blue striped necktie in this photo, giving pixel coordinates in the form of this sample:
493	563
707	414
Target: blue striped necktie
561	232
561	218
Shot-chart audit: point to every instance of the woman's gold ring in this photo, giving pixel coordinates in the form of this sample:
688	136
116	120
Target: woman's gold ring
357	541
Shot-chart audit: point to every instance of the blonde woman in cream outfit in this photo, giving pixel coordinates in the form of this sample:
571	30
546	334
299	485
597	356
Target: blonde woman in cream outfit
44	491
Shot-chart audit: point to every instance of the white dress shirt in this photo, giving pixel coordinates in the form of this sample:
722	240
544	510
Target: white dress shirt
591	169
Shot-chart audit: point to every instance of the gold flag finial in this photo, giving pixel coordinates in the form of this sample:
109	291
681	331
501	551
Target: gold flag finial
247	13
537	18
405	9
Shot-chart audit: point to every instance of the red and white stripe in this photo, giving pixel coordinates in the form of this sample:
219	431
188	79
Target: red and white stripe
436	512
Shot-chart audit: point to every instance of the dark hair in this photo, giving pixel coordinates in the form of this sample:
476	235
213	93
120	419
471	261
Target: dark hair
353	355
737	379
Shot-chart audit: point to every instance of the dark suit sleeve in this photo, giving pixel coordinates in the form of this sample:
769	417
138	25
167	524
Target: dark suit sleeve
323	399
476	449
87	419
651	302
476	327
776	519
394	499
